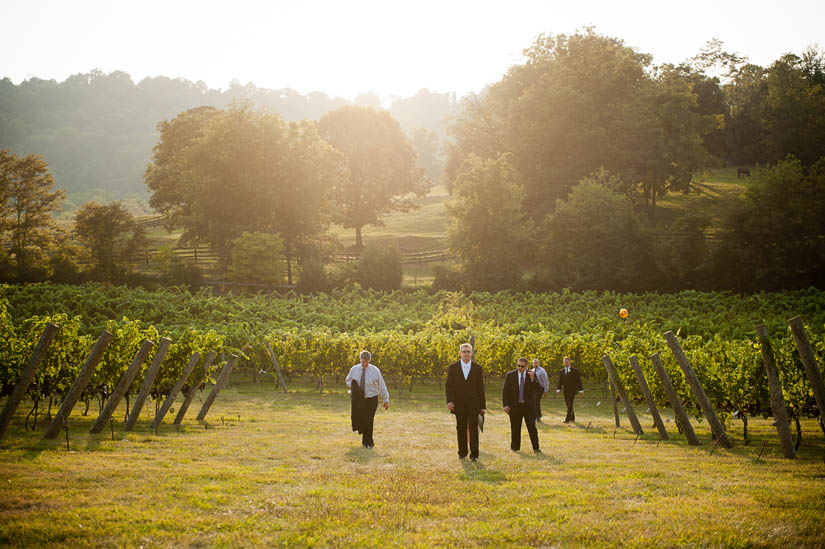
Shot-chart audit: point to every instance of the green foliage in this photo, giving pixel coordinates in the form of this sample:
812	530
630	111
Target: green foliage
381	171
112	238
380	268
256	257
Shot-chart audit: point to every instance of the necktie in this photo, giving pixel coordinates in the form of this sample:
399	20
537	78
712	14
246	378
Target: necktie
364	381
521	388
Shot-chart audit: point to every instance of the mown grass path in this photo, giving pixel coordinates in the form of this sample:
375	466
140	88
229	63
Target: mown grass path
290	471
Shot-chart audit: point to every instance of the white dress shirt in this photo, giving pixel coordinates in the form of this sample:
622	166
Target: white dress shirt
465	368
374	381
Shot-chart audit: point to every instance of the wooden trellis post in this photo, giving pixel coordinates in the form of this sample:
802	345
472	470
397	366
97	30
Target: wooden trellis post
27	376
123	384
698	391
207	363
80	383
276	365
170	398
809	361
227	369
614	379
148	381
673	398
654	411
777	400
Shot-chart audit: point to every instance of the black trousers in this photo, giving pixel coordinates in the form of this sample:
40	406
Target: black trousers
518	413
370	406
568	399
464	419
538	404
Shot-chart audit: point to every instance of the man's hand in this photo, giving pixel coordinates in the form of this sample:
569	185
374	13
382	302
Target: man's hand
581	392
507	409
450	406
386	405
532	374
482	411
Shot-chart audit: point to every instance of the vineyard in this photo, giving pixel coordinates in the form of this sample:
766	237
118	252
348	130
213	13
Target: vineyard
414	335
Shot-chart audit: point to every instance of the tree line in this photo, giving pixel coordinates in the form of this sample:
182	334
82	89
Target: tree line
556	172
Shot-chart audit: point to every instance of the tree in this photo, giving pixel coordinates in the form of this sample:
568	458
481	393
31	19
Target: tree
382	174
595	241
256	257
489	231
220	173
27	206
774	237
111	236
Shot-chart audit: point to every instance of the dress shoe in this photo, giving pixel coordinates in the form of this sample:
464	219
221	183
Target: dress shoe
473	459
537	451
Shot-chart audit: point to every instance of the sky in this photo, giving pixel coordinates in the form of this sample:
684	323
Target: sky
391	48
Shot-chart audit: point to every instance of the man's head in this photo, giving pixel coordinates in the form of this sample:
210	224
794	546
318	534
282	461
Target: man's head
465	350
521	364
365	357
536	363
566	362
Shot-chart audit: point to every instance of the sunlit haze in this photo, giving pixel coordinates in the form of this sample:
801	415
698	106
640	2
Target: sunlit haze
386	47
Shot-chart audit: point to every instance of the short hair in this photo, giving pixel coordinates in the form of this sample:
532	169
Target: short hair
537	360
365	354
460	347
522	359
566	358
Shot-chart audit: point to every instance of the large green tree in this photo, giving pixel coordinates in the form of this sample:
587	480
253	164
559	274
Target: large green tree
579	103
382	174
489	230
219	173
27	207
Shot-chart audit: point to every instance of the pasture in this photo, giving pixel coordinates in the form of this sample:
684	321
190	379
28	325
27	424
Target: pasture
268	468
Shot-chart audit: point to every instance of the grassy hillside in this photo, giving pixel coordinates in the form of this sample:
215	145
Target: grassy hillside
268	468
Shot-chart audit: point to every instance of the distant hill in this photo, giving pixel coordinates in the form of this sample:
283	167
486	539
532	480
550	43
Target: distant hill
97	130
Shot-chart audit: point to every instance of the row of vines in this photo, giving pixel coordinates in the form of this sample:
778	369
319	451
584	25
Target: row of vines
415	335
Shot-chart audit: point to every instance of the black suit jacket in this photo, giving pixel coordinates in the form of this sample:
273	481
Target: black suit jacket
571	382
509	394
467	395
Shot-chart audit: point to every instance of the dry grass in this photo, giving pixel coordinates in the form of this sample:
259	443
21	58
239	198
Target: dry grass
287	470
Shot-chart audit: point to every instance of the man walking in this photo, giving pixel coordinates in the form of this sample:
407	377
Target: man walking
571	381
544	381
465	399
518	395
371	382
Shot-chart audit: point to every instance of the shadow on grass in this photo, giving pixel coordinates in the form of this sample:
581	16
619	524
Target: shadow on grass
476	471
359	454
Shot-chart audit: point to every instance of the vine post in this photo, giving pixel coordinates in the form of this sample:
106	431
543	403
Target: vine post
673	398
227	369
777	400
654	411
123	384
190	394
277	366
170	398
165	342
27	376
809	361
698	391
614	379
62	416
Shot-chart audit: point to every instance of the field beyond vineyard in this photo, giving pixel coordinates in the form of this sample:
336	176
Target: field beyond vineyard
285	469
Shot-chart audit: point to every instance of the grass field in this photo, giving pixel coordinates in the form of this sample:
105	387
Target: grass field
285	469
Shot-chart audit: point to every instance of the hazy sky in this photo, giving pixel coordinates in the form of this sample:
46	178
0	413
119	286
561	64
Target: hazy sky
348	47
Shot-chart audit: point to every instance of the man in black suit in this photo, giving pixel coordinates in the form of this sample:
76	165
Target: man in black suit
465	399
520	388
570	379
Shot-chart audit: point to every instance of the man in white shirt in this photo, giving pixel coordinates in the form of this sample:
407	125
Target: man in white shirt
369	379
541	377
